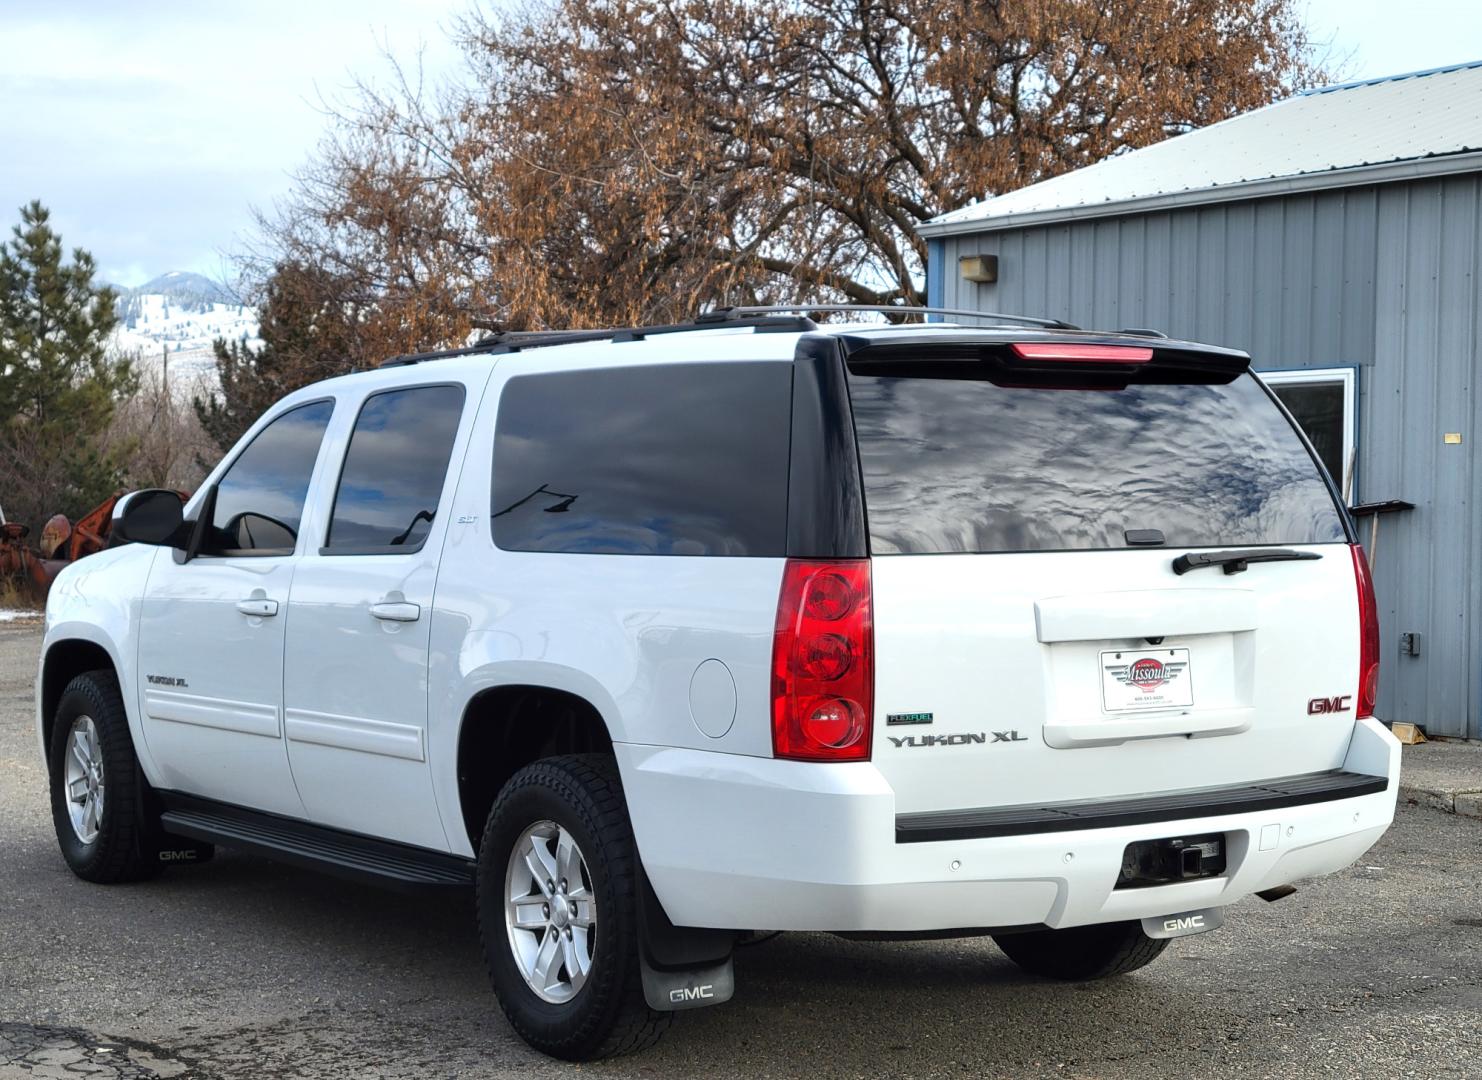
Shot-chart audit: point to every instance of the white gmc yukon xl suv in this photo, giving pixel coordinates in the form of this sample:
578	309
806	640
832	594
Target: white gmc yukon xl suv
659	637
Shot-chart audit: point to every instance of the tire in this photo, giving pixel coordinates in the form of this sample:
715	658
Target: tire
1082	953
108	845
576	1017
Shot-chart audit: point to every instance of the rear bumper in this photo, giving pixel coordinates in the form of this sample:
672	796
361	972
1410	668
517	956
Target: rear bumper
755	843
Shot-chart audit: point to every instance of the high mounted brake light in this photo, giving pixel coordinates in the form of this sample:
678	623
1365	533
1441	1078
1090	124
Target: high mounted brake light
1368	685
1074	353
823	671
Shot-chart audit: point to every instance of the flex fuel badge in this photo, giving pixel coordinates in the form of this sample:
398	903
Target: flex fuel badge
907	718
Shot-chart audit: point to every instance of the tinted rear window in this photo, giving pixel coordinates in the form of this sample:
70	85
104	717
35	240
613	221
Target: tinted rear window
678	459
955	465
394	470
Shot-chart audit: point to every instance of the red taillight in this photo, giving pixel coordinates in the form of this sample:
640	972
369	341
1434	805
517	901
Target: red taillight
1368	684
1087	354
823	666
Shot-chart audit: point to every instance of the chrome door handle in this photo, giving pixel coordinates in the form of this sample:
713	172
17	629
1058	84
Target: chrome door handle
394	612
262	609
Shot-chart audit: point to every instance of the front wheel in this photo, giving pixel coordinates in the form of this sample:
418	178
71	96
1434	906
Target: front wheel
1082	953
97	790
558	915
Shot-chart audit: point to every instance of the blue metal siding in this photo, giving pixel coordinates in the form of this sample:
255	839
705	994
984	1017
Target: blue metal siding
935	253
1386	278
1291	280
1425	382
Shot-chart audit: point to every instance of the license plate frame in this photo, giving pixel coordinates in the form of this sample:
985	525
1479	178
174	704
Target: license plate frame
1144	680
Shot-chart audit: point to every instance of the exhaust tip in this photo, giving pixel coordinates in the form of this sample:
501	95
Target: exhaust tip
1273	895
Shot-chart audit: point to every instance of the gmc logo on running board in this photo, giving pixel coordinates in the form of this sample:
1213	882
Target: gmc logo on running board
1320	705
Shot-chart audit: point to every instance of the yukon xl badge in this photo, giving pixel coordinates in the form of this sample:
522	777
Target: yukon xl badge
965	738
165	680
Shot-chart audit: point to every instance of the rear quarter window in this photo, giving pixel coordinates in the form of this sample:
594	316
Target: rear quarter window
954	465
677	459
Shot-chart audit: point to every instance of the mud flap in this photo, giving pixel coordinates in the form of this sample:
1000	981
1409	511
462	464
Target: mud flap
683	967
167	849
178	851
1184	923
688	988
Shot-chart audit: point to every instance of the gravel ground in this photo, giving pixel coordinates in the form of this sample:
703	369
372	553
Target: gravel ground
242	968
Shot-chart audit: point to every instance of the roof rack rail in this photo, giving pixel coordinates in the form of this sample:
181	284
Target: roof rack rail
726	314
508	341
770	318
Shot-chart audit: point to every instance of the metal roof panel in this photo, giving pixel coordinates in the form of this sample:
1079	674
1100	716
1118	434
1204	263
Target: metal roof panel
1375	122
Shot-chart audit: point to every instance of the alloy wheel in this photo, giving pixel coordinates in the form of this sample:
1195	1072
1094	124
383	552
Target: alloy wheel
550	912
83	776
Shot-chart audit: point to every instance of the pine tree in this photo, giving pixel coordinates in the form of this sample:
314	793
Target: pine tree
58	385
308	333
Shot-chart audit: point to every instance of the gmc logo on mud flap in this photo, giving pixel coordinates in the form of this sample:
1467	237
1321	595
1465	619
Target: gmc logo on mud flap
1321	705
1191	922
691	993
178	856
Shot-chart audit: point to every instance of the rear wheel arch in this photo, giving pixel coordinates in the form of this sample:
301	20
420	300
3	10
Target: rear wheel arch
505	728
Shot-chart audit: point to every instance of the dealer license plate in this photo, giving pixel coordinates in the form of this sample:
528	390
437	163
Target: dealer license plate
1132	680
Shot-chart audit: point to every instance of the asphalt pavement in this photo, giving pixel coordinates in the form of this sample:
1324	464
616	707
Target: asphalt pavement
243	968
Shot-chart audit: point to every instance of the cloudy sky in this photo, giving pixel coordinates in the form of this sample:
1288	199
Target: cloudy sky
152	128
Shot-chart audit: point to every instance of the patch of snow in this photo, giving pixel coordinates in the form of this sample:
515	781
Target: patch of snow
154	326
15	615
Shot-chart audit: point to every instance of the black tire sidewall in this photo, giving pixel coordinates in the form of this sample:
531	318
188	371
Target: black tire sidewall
574	1029
114	855
1081	953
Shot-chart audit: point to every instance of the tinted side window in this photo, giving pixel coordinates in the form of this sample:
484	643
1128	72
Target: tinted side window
394	469
683	459
260	499
963	465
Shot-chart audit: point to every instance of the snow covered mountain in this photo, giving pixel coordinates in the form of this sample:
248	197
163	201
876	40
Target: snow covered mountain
179	315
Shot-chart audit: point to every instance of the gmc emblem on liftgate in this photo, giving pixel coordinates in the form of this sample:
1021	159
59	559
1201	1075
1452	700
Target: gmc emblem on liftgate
1320	705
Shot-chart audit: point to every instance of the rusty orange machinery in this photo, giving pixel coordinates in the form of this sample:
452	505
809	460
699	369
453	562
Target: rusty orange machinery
61	542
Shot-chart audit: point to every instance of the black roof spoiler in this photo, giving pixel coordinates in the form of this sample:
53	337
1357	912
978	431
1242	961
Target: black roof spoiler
1004	354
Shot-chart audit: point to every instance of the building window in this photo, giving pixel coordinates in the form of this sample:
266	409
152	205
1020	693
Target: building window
1324	402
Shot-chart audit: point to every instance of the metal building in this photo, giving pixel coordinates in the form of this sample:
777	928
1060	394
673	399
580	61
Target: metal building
1337	237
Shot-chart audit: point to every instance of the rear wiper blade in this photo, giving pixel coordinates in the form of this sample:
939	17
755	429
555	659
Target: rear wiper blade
1234	562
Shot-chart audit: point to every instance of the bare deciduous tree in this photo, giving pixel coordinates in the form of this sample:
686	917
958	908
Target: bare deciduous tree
625	161
157	431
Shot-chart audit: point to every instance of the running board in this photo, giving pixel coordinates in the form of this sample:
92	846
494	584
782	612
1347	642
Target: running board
344	854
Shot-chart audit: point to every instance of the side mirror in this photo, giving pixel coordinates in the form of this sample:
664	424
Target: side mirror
154	516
